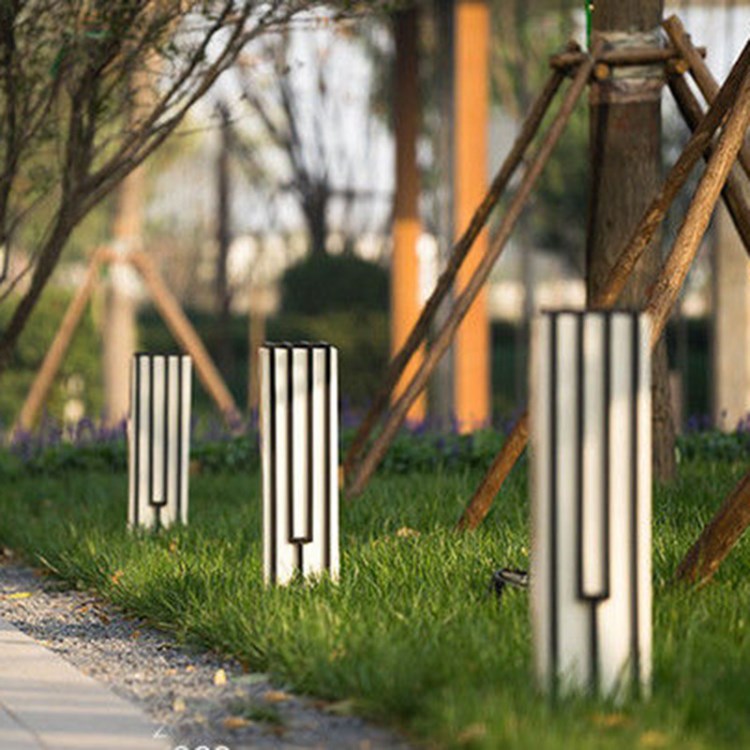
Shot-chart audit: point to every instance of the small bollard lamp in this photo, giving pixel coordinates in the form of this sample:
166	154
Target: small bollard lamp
591	502
159	440
299	452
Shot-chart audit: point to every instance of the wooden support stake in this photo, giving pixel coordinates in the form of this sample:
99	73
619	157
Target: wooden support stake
675	269
186	336
701	73
719	537
56	353
481	502
676	178
617	57
457	257
443	338
734	193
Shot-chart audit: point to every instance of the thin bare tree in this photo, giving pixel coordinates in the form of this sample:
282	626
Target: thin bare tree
65	85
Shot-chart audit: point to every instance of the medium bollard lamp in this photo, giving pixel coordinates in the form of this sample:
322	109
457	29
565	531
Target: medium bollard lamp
591	502
299	450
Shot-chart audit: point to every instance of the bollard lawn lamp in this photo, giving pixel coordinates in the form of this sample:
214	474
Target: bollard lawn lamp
299	450
159	440
591	502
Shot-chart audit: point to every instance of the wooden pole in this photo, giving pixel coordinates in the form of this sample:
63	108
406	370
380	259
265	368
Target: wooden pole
187	337
448	276
733	193
700	71
675	269
719	537
481	502
445	335
45	376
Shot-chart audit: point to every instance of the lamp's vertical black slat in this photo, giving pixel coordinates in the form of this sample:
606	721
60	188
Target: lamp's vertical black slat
635	599
606	488
583	594
180	436
274	459
166	451
309	417
554	644
327	462
136	419
152	447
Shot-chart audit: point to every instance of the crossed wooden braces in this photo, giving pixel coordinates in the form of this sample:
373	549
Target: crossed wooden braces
730	110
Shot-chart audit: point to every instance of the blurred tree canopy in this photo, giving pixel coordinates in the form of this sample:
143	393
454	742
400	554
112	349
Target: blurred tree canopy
69	74
524	36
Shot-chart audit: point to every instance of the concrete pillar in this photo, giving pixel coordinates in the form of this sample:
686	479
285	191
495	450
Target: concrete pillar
472	345
731	355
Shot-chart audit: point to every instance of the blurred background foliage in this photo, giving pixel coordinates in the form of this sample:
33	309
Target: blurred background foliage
80	377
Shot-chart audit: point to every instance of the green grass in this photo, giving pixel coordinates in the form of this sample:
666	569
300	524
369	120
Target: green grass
410	634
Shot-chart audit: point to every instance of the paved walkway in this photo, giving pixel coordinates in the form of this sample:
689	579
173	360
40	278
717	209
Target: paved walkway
46	704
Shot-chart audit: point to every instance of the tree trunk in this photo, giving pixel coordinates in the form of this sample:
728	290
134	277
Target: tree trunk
441	393
407	226
119	339
315	209
625	129
223	238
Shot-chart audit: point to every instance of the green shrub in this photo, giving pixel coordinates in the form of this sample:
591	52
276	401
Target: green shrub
80	374
334	283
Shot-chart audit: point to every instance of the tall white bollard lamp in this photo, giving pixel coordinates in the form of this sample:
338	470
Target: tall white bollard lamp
299	451
159	440
591	502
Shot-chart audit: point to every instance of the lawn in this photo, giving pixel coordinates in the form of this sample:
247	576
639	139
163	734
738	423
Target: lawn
410	636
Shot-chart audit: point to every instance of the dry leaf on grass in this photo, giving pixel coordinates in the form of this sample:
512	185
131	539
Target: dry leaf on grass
276	696
236	722
220	678
116	576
